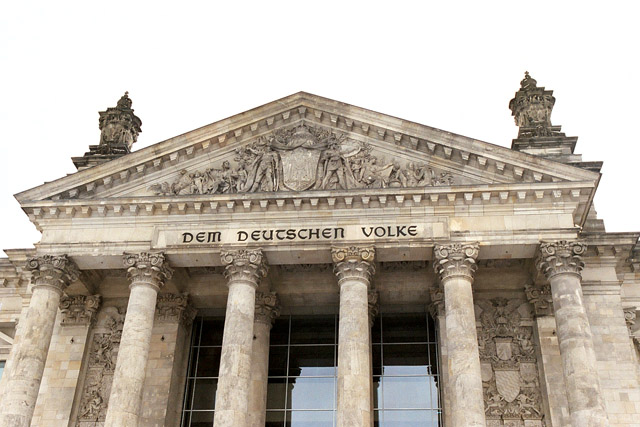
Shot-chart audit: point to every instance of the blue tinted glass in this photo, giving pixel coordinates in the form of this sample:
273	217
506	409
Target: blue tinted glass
309	361
408	419
311	393
310	419
409	359
406	392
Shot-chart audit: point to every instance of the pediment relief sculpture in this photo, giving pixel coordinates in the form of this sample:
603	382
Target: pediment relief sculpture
303	158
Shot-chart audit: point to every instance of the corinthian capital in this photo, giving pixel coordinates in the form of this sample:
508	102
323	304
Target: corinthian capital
353	263
51	271
246	265
267	307
150	268
563	256
79	309
456	260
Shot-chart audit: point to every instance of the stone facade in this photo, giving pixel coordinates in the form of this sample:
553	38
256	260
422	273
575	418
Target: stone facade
307	206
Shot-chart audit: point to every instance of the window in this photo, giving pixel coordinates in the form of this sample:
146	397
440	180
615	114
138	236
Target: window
202	379
302	372
2	362
405	371
302	382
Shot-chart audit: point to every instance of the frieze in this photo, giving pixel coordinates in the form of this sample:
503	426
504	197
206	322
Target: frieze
510	379
303	158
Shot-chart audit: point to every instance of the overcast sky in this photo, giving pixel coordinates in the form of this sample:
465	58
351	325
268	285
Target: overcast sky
451	65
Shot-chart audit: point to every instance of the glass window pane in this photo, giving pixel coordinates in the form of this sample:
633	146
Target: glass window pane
201	419
186	419
193	363
406	392
311	393
313	330
410	359
280	331
278	361
408	419
205	395
311	360
310	419
275	419
208	362
276	393
212	330
401	328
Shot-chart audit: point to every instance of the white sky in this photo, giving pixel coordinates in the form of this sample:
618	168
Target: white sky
452	65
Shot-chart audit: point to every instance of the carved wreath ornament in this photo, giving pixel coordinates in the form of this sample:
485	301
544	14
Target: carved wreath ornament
302	158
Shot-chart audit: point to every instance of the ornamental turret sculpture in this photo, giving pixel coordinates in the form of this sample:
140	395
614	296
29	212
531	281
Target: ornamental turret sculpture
119	129
531	109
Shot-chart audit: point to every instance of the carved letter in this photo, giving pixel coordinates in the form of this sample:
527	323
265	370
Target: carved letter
187	237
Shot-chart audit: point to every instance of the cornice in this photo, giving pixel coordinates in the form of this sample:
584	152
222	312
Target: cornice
245	126
491	197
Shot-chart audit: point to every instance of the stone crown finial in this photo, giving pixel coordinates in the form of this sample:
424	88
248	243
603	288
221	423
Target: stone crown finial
246	265
147	268
456	260
54	271
353	262
561	257
531	108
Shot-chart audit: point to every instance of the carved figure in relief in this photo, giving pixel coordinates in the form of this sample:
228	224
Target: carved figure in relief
302	158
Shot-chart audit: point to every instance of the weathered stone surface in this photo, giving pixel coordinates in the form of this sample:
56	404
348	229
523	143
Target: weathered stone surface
147	273
50	276
354	268
267	309
456	266
244	270
562	263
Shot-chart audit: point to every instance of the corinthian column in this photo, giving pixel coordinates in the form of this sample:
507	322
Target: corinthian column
50	277
267	309
456	265
562	264
354	268
245	269
147	273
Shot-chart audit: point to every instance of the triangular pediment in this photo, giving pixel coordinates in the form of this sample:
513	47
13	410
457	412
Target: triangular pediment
300	133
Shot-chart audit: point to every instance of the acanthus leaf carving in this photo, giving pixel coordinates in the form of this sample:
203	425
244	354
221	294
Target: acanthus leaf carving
540	297
563	256
79	309
303	158
267	307
174	308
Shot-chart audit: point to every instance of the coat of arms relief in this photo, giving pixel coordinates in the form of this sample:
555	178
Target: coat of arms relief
101	365
509	364
303	158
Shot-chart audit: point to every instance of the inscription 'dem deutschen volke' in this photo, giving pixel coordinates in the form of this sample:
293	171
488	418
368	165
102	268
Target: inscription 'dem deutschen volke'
300	234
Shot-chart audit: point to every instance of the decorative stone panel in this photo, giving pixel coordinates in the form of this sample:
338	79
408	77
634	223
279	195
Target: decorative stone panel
510	377
101	364
78	309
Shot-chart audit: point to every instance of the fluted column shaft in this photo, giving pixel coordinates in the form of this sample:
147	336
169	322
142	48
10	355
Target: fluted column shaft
147	273
50	277
455	264
562	264
266	311
354	268
244	270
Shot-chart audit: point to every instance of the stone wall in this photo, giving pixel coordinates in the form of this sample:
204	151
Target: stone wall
616	358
